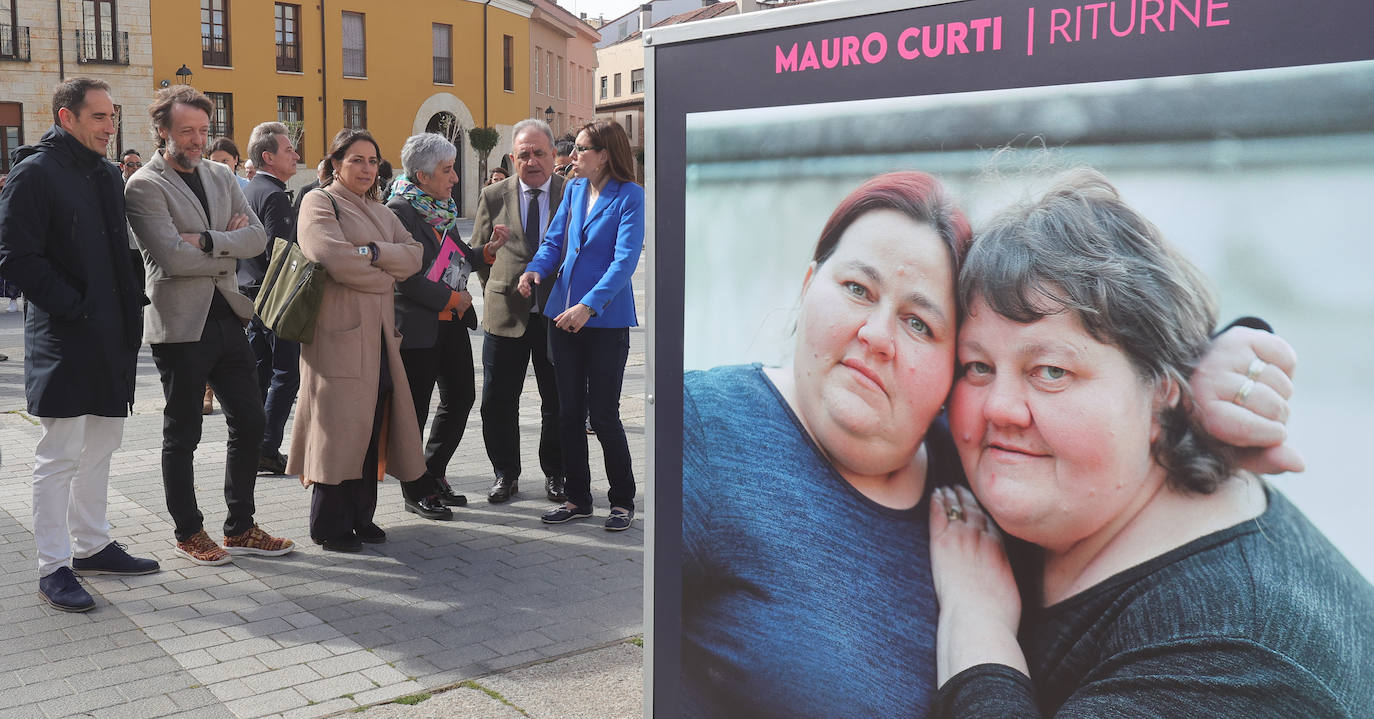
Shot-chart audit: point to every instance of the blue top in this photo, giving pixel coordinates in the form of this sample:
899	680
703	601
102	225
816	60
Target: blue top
599	251
801	597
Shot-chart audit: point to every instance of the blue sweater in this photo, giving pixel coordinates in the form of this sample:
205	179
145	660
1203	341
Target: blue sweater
801	597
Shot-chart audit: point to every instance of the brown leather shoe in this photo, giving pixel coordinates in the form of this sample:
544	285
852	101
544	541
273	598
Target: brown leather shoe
209	405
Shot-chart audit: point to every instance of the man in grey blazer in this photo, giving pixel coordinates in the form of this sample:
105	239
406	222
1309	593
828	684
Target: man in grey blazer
193	223
514	331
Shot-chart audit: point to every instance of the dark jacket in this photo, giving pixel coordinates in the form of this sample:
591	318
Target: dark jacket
64	242
267	197
419	299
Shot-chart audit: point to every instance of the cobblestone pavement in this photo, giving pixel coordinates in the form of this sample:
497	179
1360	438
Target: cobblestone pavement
311	633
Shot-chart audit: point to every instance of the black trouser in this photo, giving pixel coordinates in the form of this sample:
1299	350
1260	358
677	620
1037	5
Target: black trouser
222	357
339	510
278	364
591	370
504	361
449	363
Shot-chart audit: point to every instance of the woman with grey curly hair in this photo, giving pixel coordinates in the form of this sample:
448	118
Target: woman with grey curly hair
434	307
1160	581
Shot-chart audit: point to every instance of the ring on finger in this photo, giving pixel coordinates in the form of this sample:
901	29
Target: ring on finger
954	513
1257	366
1244	392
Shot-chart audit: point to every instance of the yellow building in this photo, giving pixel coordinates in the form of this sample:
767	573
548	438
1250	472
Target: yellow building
395	68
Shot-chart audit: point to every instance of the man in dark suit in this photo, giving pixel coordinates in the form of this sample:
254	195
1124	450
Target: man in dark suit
63	242
518	209
278	360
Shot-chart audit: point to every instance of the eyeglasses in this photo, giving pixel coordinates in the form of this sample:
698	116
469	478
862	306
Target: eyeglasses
583	148
134	165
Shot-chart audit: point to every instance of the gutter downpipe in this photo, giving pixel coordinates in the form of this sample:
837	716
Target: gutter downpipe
485	54
324	87
61	60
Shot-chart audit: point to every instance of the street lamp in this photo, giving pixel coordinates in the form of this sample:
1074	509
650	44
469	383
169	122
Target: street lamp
183	75
548	115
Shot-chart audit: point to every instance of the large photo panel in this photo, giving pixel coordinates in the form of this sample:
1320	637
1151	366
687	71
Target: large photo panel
1255	165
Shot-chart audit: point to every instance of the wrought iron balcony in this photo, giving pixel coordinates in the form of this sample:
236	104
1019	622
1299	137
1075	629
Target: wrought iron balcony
106	47
14	42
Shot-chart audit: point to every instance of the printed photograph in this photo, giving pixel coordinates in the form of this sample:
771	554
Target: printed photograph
1023	293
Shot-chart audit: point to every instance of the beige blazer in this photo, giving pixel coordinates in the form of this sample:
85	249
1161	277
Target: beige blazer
355	329
504	312
182	278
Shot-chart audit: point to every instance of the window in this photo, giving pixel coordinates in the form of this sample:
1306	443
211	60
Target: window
354	45
11	131
637	81
548	74
222	119
558	78
355	114
14	40
629	126
535	69
508	62
604	85
617	84
291	112
288	25
443	54
214	32
100	42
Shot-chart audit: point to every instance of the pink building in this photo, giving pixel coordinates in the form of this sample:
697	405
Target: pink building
562	67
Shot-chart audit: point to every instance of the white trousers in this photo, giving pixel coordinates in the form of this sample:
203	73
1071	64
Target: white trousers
71	477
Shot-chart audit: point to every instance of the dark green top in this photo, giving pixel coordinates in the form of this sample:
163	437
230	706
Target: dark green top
1264	619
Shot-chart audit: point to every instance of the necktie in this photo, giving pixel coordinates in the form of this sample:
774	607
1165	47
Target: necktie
532	236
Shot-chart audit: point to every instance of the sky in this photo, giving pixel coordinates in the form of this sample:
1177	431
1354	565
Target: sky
611	9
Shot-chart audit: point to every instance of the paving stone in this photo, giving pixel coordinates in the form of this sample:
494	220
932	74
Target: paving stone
269	703
330	687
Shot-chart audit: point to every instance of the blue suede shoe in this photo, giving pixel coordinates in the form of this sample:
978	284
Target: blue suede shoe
63	591
564	513
113	560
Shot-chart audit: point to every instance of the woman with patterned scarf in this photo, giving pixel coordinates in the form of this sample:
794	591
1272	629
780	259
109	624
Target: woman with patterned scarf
434	308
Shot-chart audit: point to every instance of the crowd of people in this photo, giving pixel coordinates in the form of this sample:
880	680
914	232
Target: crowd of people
173	250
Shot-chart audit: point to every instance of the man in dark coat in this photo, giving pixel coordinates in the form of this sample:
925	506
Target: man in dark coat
278	360
63	240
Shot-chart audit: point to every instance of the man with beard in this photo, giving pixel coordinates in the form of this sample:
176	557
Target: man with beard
194	224
63	242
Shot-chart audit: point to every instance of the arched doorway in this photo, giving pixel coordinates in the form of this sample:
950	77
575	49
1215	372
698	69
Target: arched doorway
446	123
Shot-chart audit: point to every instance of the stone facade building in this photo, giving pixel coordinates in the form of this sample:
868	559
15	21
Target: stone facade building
44	43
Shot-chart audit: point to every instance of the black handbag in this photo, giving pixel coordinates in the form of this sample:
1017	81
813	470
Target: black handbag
292	290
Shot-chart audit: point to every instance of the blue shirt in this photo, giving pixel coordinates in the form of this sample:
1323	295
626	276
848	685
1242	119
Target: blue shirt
801	597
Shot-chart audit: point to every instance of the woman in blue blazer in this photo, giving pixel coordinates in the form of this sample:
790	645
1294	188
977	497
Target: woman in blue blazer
588	255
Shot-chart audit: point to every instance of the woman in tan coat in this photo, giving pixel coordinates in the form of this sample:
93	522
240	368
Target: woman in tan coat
351	428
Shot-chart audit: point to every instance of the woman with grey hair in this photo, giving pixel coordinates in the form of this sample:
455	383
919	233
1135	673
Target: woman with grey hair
434	307
1159	580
